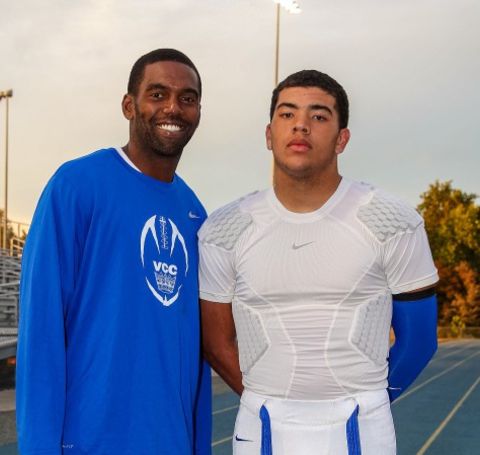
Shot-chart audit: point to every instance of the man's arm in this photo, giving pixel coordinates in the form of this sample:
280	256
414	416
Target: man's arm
203	412
46	284
220	344
414	322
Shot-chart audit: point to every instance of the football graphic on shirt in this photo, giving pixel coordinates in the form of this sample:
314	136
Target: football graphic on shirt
164	258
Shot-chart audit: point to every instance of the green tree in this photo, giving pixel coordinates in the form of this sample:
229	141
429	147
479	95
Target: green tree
452	222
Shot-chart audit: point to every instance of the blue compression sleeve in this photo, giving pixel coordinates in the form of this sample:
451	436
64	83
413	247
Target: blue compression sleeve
414	322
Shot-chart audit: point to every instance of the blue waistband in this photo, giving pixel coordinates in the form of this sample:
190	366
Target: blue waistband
352	433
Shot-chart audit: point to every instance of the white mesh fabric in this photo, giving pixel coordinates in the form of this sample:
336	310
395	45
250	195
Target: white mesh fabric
386	216
252	338
225	226
296	282
371	328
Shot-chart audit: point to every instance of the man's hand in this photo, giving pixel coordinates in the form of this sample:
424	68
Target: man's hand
220	343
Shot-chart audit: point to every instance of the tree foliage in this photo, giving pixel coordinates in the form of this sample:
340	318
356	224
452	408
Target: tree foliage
452	222
459	294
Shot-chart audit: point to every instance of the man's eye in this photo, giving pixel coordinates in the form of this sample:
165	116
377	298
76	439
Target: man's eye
319	117
157	95
188	99
286	115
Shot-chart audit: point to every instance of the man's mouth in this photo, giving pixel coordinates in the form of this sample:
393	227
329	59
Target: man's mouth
299	145
171	127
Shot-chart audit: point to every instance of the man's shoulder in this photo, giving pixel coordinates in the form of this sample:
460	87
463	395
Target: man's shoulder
77	177
225	225
188	193
383	213
79	168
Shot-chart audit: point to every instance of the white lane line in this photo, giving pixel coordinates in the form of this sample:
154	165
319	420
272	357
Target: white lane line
221	441
447	419
450	343
219	411
442	347
423	384
453	347
451	352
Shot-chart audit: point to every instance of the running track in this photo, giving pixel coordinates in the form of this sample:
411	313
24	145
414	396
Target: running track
438	415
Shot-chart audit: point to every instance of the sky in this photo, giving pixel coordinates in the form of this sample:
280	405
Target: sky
411	69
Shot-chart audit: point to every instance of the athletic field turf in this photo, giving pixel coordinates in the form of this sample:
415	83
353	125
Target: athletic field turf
438	415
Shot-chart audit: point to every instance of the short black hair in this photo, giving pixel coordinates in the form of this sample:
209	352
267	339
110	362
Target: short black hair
313	78
158	55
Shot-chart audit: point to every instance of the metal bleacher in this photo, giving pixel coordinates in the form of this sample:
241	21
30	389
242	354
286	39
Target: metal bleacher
9	282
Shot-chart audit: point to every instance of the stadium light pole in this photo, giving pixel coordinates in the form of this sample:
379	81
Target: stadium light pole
292	7
6	94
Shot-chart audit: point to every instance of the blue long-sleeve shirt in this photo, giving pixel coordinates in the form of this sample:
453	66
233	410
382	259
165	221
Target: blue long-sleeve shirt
108	358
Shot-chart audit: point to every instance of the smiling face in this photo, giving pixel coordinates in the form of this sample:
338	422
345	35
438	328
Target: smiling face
165	111
304	134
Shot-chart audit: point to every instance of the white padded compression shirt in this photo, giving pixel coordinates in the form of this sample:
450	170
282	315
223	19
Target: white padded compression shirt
311	293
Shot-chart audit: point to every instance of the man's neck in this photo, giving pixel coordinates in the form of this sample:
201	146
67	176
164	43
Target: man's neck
151	164
304	195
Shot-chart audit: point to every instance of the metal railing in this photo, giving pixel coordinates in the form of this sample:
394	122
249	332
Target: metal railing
9	288
16	246
9	300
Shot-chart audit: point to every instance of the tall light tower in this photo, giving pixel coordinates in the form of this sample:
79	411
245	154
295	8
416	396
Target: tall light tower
292	7
6	94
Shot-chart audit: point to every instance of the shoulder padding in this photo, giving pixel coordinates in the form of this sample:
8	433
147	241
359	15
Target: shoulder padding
386	216
225	225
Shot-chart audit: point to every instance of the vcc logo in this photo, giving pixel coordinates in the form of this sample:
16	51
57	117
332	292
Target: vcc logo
164	258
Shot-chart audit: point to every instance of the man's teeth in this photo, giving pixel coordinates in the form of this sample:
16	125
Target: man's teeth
170	127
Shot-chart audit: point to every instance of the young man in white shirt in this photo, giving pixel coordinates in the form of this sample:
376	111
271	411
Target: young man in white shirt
298	284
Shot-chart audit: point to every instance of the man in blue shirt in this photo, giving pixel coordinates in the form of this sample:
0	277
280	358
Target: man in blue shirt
108	357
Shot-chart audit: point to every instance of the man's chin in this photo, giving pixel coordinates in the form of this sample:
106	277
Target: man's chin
168	152
298	172
170	147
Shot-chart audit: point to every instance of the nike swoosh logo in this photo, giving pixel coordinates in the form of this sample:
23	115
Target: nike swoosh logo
242	440
301	245
193	216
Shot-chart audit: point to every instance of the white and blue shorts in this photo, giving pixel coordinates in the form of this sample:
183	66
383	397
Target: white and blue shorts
357	425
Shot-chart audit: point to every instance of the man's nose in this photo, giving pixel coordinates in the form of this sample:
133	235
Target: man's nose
301	127
172	106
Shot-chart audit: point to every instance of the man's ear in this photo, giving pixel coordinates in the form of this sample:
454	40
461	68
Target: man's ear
128	107
342	140
268	136
199	113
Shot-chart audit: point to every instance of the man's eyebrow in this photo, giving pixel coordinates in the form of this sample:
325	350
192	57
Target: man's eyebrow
158	86
193	91
320	107
312	107
290	105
